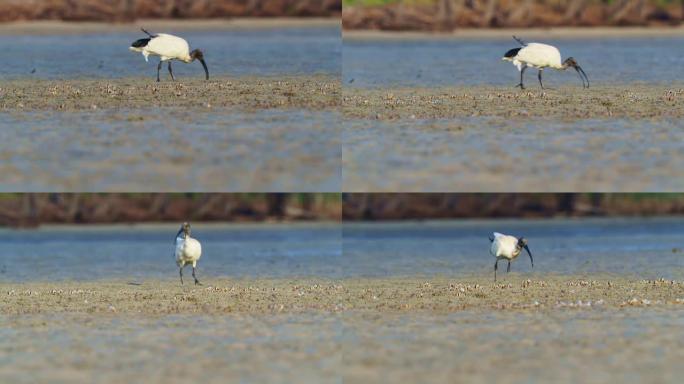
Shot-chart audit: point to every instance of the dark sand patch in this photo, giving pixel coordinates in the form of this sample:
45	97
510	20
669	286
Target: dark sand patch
564	102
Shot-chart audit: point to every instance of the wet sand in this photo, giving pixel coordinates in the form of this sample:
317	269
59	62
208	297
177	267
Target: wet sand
564	102
559	328
513	292
316	92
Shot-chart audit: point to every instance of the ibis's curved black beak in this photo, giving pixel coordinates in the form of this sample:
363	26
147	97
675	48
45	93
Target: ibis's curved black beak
179	233
204	64
529	253
583	76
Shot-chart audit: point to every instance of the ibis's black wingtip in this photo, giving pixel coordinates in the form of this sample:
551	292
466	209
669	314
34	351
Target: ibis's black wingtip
512	53
140	43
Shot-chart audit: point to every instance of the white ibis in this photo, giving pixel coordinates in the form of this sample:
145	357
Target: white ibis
188	251
168	48
507	247
540	56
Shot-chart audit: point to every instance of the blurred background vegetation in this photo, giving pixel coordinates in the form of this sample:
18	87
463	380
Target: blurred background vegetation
129	10
448	15
33	209
520	205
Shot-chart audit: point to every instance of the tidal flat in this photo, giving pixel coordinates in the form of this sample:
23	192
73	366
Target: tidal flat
565	102
560	328
475	138
228	134
317	92
221	296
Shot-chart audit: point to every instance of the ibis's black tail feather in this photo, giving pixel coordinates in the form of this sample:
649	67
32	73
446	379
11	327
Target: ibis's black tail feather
519	41
147	33
140	43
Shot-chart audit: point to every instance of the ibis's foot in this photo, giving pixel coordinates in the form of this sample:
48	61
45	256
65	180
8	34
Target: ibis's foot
197	282
521	86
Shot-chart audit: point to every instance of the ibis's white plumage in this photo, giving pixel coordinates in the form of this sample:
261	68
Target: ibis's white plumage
538	56
504	246
167	47
541	56
188	251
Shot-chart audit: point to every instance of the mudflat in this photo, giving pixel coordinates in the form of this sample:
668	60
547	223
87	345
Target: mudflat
636	101
376	295
250	93
555	328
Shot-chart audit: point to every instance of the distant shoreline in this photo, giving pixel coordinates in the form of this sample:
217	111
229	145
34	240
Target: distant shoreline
500	33
65	27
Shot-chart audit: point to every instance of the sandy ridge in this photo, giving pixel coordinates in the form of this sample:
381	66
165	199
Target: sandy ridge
217	296
564	102
310	92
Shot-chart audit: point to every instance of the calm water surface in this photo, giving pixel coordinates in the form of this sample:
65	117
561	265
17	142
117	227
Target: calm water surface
145	252
441	62
565	346
642	248
170	149
257	52
526	155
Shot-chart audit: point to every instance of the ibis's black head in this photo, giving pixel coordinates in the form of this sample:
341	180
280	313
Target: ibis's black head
522	243
197	54
572	63
184	230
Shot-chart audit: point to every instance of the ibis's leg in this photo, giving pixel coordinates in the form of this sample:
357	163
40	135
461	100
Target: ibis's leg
159	69
171	71
496	266
539	77
522	71
509	267
181	274
193	275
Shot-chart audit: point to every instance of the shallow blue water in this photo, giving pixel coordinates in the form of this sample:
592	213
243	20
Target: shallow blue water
170	150
448	62
636	248
228	52
140	252
643	248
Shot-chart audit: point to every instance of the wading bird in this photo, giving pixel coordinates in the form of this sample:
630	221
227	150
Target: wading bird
168	48
188	251
541	56
507	247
